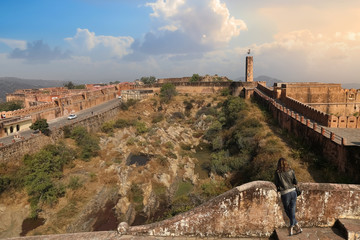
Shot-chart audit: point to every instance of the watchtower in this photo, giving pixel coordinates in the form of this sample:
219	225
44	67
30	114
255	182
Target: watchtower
249	69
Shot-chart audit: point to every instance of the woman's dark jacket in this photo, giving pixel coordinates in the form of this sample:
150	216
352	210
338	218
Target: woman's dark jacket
285	180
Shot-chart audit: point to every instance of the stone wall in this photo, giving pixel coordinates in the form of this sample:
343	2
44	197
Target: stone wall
296	96
250	210
15	151
326	97
206	87
334	148
255	210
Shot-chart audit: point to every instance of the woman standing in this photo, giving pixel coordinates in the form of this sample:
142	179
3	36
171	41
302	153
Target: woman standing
285	182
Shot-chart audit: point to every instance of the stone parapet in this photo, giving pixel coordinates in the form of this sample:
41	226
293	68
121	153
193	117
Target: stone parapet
255	210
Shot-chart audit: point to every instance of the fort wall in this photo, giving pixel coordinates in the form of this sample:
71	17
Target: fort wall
325	97
333	147
15	151
321	92
58	107
237	88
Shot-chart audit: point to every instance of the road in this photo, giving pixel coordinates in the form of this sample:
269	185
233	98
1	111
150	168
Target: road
56	123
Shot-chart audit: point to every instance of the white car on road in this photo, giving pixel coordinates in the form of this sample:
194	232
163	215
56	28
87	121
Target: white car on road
72	116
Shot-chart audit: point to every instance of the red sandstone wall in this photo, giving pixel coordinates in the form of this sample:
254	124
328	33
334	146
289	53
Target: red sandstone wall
309	112
172	80
328	98
331	145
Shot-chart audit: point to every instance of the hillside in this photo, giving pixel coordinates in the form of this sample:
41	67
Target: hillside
10	84
155	160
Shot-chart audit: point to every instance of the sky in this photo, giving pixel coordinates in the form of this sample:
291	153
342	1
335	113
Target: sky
124	40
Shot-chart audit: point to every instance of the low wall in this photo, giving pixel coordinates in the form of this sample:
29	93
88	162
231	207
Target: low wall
255	210
250	210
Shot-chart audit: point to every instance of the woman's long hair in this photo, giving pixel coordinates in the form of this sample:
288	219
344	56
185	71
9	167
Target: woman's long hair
283	165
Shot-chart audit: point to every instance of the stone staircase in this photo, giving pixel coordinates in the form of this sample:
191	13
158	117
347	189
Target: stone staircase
342	229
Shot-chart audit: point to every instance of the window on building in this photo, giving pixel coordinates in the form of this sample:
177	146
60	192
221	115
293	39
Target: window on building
11	129
17	127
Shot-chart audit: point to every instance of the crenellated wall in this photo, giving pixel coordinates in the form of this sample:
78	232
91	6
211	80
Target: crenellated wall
317	102
345	157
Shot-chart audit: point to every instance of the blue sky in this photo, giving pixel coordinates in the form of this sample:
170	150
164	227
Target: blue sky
107	40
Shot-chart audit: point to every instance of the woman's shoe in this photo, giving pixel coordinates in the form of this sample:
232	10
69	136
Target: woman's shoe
298	228
291	230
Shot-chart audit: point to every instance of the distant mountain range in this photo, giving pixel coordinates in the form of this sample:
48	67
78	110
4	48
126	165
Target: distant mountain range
10	84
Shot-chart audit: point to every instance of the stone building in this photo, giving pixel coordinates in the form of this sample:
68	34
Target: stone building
13	125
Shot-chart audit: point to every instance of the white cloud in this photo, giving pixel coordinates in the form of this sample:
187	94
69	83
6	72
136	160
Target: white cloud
12	43
99	47
307	56
196	19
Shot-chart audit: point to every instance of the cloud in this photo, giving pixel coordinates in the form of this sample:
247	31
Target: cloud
12	43
38	52
86	43
185	26
307	56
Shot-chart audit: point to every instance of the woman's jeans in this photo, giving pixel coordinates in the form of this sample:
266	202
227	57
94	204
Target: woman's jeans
289	202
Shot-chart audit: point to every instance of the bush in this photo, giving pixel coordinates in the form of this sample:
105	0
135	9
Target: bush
157	117
137	197
177	115
169	145
141	128
107	127
4	183
167	92
125	105
209	111
40	169
89	144
213	188
74	183
195	78
42	126
122	123
225	92
11	106
171	155
231	109
67	132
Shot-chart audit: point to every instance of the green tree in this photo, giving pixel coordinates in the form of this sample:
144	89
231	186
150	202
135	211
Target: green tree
167	92
41	125
11	106
148	80
89	144
195	78
231	109
69	85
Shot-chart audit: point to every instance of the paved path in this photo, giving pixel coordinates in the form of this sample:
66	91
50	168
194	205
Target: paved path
352	135
63	120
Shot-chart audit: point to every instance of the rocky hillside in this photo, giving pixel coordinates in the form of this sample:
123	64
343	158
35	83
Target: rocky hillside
157	160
